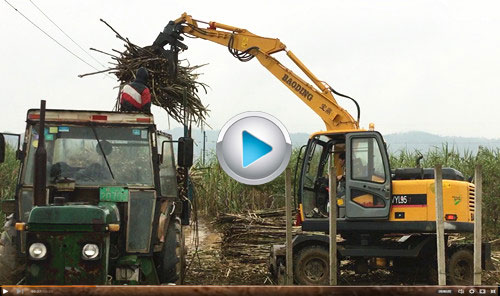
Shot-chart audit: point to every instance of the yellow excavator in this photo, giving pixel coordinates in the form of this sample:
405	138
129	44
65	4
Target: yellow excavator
385	217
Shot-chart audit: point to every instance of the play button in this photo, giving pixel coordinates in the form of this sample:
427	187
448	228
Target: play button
253	148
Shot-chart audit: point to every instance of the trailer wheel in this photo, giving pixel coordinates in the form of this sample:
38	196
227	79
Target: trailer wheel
173	254
311	266
460	267
11	267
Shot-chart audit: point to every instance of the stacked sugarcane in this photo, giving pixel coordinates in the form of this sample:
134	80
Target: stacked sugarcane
173	92
248	237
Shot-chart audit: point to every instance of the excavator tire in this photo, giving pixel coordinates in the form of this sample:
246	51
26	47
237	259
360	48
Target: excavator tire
11	266
173	254
311	266
461	267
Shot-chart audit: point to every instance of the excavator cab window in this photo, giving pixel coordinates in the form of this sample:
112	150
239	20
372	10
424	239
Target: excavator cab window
367	163
368	179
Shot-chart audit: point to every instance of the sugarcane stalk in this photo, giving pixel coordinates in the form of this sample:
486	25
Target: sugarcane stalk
166	91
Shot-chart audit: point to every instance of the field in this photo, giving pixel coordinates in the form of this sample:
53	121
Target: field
217	193
210	262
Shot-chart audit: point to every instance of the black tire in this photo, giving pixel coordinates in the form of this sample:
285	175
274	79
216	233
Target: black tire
11	266
311	266
173	254
461	267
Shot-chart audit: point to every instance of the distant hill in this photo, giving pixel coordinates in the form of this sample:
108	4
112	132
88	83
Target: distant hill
410	141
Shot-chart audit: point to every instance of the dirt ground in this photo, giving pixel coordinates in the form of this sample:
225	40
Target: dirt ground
207	266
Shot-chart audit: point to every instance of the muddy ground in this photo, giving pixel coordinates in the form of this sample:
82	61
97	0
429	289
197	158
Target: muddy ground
208	266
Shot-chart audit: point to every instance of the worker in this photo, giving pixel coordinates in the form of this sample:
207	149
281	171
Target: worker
321	189
340	189
341	177
135	96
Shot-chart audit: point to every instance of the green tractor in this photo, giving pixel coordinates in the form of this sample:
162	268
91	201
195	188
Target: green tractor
97	202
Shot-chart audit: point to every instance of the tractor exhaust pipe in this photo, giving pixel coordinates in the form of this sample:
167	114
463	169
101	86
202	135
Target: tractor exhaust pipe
40	190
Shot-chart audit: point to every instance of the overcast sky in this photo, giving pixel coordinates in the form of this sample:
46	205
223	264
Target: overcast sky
432	66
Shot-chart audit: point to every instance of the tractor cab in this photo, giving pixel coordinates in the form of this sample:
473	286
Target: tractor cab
362	172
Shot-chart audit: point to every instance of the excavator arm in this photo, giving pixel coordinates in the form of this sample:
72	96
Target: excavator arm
245	45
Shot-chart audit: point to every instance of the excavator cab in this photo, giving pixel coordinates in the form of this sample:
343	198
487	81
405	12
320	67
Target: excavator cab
363	180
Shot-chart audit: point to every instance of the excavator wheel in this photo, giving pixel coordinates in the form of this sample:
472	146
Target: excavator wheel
11	266
311	266
173	254
460	267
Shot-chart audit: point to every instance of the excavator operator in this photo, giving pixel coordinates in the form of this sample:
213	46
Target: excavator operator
322	186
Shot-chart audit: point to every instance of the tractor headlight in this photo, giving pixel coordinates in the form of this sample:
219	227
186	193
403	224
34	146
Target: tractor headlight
90	252
37	251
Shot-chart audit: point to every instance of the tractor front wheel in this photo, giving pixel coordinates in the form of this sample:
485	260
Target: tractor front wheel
173	254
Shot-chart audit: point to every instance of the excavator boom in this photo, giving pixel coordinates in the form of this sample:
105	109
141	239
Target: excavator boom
245	45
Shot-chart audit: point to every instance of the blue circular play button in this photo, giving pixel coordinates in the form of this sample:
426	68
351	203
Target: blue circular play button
253	148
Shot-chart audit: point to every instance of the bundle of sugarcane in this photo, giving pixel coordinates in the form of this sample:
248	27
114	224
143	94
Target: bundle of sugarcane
249	236
173	92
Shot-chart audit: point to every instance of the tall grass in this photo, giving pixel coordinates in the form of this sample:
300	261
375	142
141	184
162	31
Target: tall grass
217	192
8	176
466	162
445	155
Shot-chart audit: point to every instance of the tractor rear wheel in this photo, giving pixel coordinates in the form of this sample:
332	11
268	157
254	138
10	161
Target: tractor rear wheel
460	267
11	266
173	254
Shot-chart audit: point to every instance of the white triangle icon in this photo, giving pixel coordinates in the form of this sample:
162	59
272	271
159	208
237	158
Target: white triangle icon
5	291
